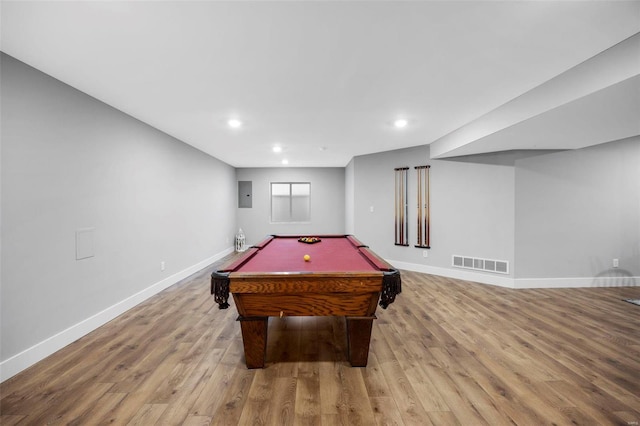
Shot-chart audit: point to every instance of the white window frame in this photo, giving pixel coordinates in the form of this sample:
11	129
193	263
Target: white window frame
291	204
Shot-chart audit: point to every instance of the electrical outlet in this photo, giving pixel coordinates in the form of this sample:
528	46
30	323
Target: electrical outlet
616	263
425	253
162	265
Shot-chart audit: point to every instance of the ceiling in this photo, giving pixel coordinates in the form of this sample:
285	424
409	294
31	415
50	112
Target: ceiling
325	79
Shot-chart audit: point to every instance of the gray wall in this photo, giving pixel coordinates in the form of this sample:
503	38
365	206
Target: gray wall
71	162
578	210
558	217
472	207
327	201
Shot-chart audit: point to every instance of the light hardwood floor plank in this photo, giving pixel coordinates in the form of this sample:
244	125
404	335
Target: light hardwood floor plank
148	414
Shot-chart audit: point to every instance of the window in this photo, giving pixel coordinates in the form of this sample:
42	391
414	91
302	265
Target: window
290	202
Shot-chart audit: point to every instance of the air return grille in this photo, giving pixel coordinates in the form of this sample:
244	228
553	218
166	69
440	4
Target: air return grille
487	265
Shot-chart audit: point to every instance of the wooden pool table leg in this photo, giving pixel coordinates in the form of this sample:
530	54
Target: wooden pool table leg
254	338
358	339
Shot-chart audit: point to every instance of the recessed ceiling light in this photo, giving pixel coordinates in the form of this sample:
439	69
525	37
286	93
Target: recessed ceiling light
277	148
285	161
400	123
234	123
323	148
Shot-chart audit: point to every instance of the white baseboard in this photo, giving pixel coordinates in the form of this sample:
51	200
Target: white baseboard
460	274
614	280
580	282
19	362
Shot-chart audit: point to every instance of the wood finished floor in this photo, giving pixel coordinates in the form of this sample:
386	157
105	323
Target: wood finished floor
446	352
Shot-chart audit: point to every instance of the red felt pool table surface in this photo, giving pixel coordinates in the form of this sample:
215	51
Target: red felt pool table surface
331	254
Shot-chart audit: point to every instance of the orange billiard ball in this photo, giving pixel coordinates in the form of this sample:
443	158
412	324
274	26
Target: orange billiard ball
307	258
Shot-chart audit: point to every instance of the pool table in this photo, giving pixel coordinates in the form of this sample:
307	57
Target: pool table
342	277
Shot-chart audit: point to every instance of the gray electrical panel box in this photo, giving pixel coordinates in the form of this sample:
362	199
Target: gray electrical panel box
244	194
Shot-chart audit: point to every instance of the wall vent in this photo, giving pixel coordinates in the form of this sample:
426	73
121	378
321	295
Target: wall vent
479	264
